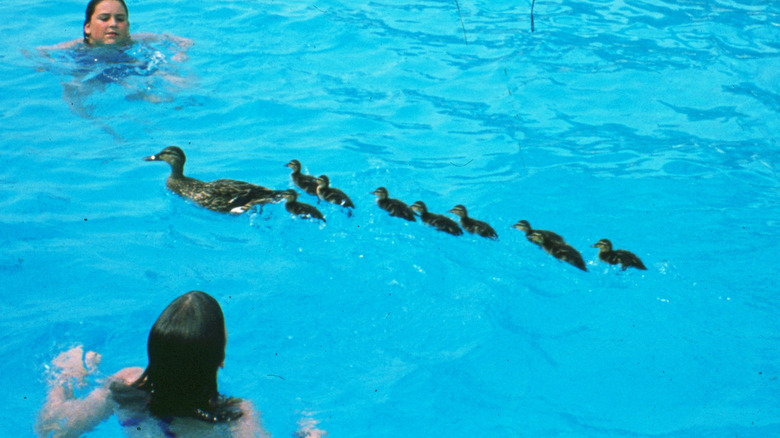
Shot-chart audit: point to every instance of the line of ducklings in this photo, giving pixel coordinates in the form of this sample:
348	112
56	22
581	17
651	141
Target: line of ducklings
236	197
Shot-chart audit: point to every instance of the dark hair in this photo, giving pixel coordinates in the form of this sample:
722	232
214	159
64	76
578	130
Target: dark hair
91	11
186	347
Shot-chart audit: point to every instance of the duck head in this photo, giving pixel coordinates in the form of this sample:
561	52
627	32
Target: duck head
295	165
381	193
323	181
290	195
172	155
603	244
459	210
522	225
419	207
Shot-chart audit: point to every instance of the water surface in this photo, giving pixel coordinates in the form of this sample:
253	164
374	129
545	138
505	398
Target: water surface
650	123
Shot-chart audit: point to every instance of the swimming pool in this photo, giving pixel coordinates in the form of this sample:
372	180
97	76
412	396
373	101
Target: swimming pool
651	123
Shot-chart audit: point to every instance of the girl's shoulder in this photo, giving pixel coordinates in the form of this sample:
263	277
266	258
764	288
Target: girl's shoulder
63	45
124	393
127	375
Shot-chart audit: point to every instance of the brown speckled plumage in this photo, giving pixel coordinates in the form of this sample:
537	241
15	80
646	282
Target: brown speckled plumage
472	225
625	259
222	195
558	249
525	227
395	207
307	183
440	222
329	194
299	208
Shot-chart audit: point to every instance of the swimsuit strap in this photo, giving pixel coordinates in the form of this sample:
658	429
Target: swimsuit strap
165	425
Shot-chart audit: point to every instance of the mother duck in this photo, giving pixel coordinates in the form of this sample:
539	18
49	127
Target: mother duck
222	195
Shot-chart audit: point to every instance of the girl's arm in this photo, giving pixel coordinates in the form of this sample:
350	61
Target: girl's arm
60	46
46	51
65	416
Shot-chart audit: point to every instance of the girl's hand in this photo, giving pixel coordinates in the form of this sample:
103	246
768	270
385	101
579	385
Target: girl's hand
64	414
73	369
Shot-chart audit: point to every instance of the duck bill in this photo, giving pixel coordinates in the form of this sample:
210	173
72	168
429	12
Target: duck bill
151	158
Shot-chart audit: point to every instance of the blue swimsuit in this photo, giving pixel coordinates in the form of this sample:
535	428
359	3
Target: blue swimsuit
108	65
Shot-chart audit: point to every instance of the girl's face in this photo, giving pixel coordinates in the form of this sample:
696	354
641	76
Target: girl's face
108	24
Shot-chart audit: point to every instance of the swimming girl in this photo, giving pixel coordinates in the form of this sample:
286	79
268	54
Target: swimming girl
107	23
175	396
108	55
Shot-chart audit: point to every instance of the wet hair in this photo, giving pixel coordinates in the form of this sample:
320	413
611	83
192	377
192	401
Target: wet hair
186	347
91	11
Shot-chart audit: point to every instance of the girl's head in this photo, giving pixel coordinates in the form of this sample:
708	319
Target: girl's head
106	23
186	347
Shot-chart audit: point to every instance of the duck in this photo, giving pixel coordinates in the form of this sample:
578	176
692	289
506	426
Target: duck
525	227
558	249
440	222
299	208
472	225
307	183
626	259
333	195
222	195
395	207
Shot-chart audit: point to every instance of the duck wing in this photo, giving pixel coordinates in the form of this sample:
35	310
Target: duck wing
398	209
551	236
215	195
569	255
443	223
304	210
307	183
628	258
226	195
483	229
259	195
610	257
337	197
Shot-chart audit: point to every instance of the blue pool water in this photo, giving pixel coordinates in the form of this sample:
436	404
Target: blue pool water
649	122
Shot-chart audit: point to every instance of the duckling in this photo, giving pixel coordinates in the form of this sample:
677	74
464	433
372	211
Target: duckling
558	249
442	223
473	225
395	207
327	193
625	258
299	208
524	226
222	195
307	183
